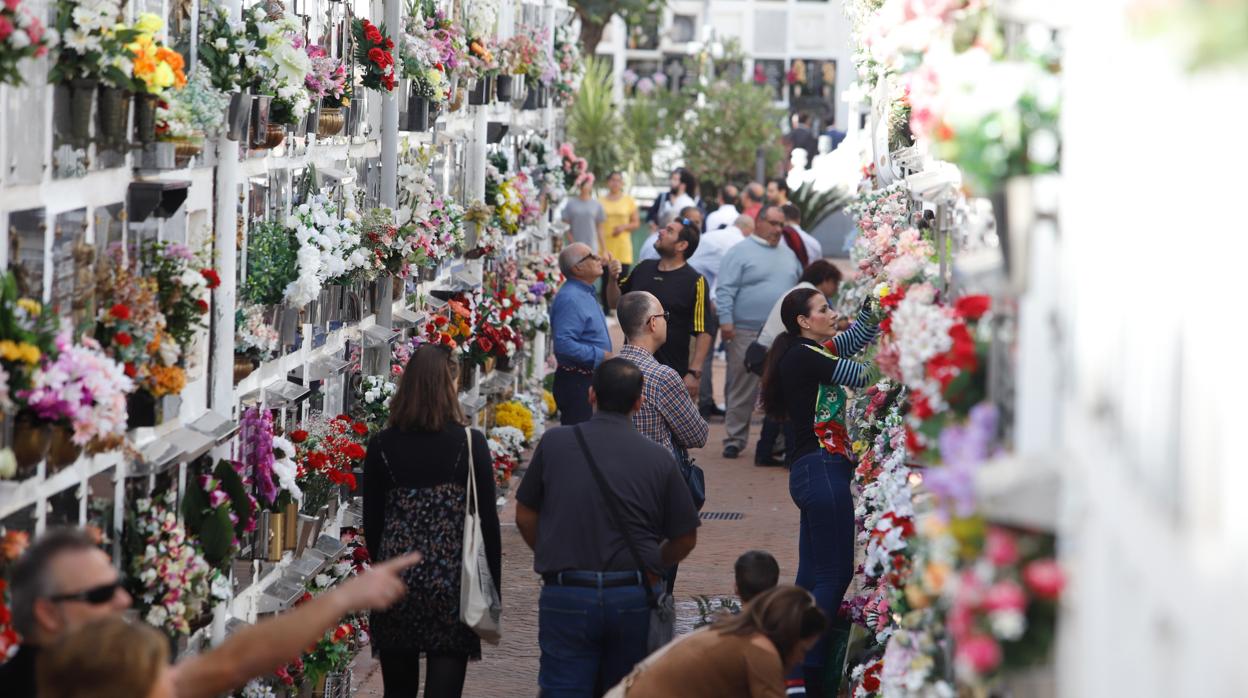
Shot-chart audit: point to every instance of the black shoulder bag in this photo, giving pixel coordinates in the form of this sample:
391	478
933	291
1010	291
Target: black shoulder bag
662	606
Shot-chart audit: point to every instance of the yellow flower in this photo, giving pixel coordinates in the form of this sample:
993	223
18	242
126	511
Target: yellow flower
30	353
346	101
163	77
9	350
882	290
860	447
549	399
149	23
29	305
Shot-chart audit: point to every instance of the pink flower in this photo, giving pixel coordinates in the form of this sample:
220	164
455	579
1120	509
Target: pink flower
1000	548
980	653
1045	578
11	5
6	28
1005	596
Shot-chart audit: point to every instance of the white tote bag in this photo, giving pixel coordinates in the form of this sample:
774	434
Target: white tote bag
479	605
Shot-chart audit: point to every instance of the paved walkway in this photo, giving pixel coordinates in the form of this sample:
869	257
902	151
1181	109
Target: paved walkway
769	522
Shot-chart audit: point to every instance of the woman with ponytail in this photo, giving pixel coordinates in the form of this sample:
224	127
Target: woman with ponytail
804	381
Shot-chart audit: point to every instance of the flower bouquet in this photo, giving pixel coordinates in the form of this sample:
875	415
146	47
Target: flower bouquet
568	65
93	46
327	451
219	511
27	336
513	413
374	406
83	392
13	544
329	248
132	329
170	581
183	291
574	168
423	61
225	51
191	114
156	66
374	51
254	337
282	63
22	35
506	451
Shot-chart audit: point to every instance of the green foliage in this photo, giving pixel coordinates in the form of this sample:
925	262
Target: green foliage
642	125
594	125
217	531
595	14
816	206
272	263
722	135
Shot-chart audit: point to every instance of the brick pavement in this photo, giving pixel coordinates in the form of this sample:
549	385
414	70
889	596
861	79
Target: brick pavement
769	523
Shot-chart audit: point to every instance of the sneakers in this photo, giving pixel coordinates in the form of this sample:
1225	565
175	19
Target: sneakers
712	411
768	462
731	451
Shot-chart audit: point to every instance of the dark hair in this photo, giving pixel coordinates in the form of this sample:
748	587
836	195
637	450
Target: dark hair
613	173
786	614
690	182
427	397
633	311
106	658
762	212
819	271
792	212
688	234
796	303
617	385
756	571
803	118
30	580
729	194
780	183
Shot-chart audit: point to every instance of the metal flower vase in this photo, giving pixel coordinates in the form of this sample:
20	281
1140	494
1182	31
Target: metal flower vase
113	115
81	99
479	93
502	88
418	113
238	116
62	451
330	122
145	118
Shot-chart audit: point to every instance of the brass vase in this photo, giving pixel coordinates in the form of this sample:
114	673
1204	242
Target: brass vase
62	450
276	538
274	135
290	526
330	122
185	150
243	366
30	444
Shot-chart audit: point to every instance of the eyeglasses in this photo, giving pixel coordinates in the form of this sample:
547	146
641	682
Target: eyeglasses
666	315
591	255
780	222
94	596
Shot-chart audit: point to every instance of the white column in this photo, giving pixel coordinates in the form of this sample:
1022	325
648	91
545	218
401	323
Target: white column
225	252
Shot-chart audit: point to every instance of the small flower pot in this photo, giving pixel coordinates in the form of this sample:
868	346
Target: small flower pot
140	409
479	93
62	451
144	118
238	116
30	444
113	116
330	122
81	99
502	88
290	526
274	135
532	100
419	116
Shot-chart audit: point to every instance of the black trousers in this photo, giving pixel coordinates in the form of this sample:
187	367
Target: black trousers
400	674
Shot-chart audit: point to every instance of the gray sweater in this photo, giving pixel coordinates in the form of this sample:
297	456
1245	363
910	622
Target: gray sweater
752	277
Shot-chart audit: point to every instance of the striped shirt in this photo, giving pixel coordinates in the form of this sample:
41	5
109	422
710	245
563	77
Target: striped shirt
667	415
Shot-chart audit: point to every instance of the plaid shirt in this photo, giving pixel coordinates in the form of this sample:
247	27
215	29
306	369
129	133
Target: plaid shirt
667	415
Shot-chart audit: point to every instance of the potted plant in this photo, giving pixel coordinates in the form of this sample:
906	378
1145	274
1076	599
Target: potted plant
157	69
26	338
327	85
224	53
93	55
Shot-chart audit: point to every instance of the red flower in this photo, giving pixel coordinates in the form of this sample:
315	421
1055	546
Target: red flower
130	369
484	344
871	678
372	32
123	339
317	460
1044	578
120	312
360	428
202	305
972	307
212	277
886	325
913	444
389	45
342	632
893	298
353	451
342	418
298	436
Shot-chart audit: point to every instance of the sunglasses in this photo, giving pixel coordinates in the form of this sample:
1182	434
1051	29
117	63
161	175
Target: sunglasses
666	315
94	596
685	222
591	255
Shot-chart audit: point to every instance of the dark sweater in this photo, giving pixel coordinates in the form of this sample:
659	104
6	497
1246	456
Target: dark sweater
421	460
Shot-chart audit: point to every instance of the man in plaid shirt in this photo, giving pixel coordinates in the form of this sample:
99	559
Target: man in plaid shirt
668	415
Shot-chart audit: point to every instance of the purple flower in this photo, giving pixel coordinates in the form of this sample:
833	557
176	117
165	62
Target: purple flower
257	428
963	448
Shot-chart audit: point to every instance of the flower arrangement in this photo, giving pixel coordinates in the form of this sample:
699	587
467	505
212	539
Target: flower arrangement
84	389
327	450
374	53
268	460
538	279
424	60
514	414
327	76
254	337
27	338
549	399
157	67
334	651
543	169
282	64
272	263
130	325
170	581
329	247
219	510
493	333
374	407
575	168
447	329
195	111
22	35
568	64
183	291
93	43
524	54
506	451
224	49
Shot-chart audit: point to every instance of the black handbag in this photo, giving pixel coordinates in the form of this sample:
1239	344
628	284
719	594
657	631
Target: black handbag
694	477
755	358
662	605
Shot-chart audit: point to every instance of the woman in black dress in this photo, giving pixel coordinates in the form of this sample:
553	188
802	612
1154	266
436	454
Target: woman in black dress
415	478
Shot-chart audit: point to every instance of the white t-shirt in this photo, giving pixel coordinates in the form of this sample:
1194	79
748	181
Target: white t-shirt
813	249
711	249
672	206
722	217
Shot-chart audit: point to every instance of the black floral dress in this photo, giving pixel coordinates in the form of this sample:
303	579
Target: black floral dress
414	499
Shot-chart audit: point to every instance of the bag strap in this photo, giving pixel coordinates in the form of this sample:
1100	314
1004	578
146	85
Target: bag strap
471	504
616	518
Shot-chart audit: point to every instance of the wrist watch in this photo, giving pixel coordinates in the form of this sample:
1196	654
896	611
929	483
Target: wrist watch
695	373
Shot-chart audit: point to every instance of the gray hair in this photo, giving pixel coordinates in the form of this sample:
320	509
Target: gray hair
745	224
32	575
633	310
570	257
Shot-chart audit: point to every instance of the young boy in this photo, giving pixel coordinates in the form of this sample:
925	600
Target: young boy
756	571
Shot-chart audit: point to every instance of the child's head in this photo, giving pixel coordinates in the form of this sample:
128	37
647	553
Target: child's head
756	572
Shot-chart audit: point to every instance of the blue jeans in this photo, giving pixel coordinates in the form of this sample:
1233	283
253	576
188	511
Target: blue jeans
571	391
819	485
590	637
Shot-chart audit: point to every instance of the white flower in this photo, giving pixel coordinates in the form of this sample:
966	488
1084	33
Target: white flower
19	39
221	44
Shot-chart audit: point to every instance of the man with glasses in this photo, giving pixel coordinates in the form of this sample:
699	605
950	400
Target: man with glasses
64	582
579	330
752	277
682	291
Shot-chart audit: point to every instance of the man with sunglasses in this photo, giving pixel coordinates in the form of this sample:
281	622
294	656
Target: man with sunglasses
683	293
579	332
64	582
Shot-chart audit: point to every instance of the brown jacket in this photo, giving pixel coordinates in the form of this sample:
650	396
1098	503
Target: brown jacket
708	664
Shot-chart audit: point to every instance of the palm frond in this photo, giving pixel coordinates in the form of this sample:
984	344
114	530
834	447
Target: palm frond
817	206
593	123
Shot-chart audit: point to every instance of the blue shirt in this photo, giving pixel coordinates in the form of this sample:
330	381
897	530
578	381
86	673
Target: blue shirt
578	326
752	277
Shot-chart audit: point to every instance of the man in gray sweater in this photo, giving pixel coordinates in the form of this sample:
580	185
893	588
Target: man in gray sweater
752	277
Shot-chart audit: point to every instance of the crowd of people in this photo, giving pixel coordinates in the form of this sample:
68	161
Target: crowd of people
610	499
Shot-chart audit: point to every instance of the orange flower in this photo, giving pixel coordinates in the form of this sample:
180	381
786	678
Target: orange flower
166	380
14	544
